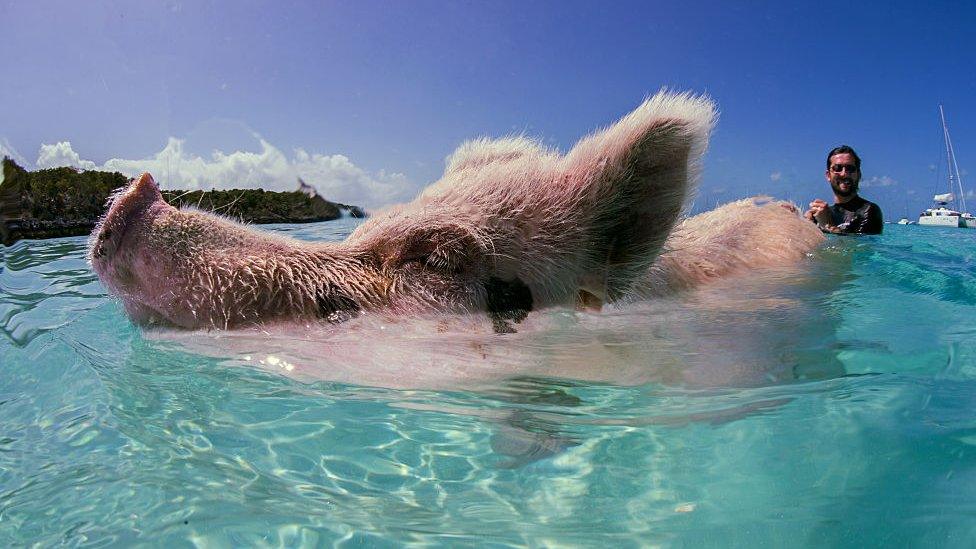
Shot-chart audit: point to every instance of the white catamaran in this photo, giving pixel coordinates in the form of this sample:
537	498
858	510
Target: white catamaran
942	215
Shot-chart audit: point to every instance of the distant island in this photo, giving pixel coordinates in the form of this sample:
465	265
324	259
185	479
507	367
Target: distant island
67	202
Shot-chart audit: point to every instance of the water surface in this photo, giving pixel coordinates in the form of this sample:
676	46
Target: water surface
829	405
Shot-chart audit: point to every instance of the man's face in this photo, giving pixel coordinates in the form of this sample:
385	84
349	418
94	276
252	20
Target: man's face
843	175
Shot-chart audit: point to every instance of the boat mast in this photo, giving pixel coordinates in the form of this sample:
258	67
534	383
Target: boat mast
952	166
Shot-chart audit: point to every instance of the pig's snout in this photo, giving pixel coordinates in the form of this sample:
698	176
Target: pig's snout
128	208
144	188
142	193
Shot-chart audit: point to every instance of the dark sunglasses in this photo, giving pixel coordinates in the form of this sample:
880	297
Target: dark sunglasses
838	168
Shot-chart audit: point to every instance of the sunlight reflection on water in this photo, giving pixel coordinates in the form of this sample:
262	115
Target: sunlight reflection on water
793	407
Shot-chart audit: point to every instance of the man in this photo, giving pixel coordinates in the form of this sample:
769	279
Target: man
850	213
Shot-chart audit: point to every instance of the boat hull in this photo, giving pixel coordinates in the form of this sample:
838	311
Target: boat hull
940	221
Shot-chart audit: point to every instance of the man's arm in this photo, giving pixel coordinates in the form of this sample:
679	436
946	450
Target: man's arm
819	213
832	229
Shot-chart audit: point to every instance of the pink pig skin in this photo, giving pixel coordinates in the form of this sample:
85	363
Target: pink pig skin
510	227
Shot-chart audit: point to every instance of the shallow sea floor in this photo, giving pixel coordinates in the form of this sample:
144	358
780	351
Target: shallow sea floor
829	405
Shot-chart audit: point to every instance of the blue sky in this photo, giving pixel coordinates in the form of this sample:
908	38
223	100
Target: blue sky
366	99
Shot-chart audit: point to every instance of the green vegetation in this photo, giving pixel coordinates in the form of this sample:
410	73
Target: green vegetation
257	206
68	202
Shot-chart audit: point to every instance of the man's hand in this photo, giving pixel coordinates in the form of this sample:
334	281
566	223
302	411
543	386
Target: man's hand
820	212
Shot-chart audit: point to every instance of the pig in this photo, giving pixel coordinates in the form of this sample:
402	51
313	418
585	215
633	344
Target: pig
730	240
510	227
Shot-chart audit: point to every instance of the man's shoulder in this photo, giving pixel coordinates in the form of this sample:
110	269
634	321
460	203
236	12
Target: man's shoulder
872	207
864	204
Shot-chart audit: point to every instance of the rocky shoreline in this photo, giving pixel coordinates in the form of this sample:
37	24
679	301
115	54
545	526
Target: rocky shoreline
62	202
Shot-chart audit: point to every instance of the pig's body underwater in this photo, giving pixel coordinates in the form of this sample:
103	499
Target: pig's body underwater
510	227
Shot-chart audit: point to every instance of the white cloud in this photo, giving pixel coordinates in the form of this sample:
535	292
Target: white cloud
335	176
6	149
776	176
883	181
61	154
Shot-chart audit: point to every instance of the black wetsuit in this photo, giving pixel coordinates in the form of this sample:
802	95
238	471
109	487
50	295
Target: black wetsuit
857	216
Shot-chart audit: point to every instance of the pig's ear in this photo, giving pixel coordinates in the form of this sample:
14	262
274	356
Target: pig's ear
476	154
636	177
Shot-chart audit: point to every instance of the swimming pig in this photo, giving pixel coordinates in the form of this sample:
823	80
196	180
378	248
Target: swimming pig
510	226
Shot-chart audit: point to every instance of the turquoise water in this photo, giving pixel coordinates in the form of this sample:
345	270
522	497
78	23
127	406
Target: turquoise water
832	405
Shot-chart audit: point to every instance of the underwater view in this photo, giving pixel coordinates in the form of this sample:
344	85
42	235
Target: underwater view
828	404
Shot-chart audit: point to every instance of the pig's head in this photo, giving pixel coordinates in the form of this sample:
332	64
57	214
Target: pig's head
511	226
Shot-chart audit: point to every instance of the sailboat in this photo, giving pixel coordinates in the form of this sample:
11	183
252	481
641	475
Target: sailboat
941	215
904	219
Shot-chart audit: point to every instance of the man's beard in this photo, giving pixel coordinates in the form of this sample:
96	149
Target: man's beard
852	189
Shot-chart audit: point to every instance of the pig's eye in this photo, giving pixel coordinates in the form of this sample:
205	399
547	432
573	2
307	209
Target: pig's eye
435	262
445	261
449	251
414	258
418	260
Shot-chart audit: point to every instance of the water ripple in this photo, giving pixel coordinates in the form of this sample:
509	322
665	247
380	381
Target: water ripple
45	285
791	408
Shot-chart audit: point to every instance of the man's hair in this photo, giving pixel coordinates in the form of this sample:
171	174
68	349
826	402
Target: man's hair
844	149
